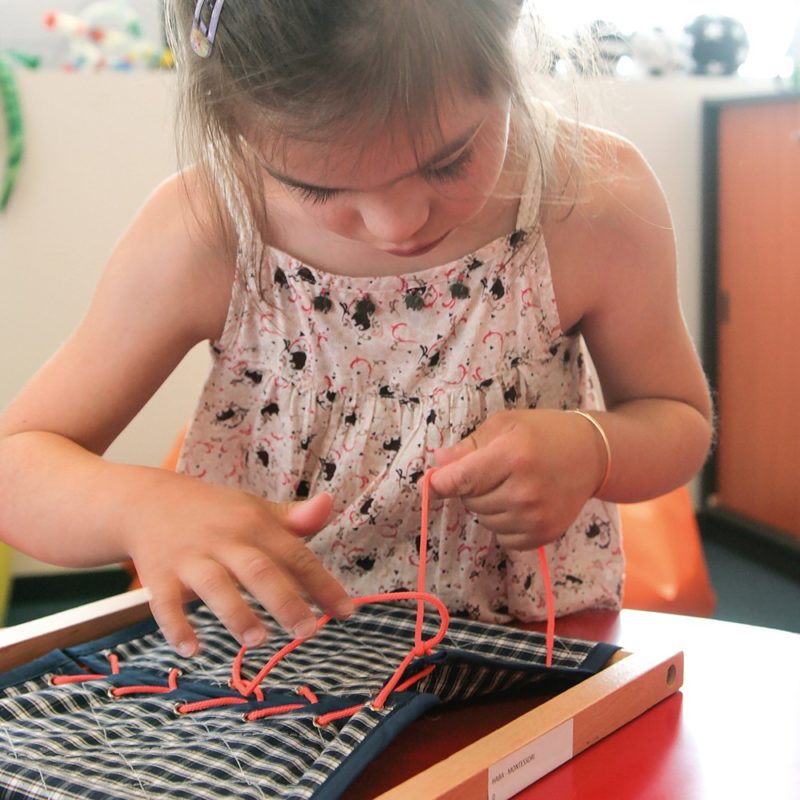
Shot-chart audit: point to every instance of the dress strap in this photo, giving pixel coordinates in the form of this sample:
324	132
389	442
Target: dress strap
250	248
249	251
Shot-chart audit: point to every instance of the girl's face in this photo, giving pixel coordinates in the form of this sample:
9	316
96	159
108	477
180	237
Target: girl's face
388	194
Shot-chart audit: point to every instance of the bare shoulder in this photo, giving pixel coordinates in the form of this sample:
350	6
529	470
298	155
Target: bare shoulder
610	228
620	188
175	252
613	262
165	288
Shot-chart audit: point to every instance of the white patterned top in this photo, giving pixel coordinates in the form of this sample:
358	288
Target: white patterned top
347	384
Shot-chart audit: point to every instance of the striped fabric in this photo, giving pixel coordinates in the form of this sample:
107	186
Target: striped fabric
75	740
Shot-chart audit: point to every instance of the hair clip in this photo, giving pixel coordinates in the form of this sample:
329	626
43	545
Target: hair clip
203	34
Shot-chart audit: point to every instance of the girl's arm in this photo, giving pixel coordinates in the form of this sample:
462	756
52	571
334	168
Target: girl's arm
615	261
164	290
527	473
149	309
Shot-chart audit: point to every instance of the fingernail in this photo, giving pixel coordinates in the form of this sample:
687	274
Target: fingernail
344	609
305	628
185	649
253	637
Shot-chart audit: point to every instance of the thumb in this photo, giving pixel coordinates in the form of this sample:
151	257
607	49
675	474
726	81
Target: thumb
306	517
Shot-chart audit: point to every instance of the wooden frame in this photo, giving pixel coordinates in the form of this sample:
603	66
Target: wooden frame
552	733
22	643
494	767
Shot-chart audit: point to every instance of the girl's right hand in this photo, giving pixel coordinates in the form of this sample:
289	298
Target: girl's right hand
188	538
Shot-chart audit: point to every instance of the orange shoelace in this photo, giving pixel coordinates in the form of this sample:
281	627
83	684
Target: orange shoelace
249	690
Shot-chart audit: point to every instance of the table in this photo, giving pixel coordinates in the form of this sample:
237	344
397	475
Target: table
732	731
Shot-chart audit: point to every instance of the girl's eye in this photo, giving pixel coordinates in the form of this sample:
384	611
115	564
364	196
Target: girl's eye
315	195
454	170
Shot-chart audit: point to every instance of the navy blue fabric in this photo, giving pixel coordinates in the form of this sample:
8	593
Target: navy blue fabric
67	741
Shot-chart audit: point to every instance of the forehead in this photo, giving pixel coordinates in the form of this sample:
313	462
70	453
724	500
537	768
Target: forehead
369	152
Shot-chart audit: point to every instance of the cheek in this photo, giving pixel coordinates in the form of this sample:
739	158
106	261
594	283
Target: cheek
489	168
460	205
334	216
469	195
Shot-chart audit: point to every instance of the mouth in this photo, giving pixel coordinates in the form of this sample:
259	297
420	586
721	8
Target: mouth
418	250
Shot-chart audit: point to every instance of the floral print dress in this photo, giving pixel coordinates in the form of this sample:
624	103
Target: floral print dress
321	382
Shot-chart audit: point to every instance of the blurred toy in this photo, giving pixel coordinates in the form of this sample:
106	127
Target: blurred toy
610	44
719	45
655	53
12	110
105	34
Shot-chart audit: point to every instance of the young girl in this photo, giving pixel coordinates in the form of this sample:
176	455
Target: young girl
401	259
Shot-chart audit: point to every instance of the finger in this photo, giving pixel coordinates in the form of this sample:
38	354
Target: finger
215	587
304	566
494	502
506	523
489	430
264	579
166	606
307	517
472	475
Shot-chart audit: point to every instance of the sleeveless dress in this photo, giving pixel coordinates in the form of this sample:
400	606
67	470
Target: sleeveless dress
322	382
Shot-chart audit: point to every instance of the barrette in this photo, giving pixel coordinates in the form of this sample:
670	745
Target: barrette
203	34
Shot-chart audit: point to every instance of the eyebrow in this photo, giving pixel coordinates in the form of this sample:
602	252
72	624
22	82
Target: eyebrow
448	149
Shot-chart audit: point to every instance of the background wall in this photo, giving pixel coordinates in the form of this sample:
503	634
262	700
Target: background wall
97	144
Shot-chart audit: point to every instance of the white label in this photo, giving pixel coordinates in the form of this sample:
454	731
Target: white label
531	762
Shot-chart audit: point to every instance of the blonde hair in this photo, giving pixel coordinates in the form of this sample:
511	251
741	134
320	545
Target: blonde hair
319	70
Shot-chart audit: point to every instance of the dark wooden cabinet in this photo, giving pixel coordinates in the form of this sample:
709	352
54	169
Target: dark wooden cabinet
752	310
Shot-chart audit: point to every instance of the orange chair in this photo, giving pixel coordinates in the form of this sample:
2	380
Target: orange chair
665	569
171	459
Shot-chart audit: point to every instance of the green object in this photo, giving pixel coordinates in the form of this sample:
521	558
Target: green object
9	94
6	555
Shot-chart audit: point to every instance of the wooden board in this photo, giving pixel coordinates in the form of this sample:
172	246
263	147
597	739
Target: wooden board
507	760
494	767
22	643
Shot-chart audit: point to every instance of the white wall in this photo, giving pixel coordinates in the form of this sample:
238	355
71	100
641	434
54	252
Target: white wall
97	143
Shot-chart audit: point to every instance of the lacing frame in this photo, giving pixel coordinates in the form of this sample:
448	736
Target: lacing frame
249	690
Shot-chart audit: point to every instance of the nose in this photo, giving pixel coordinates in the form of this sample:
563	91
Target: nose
394	216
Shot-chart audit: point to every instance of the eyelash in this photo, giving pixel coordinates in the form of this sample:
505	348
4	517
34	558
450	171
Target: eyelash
453	171
316	196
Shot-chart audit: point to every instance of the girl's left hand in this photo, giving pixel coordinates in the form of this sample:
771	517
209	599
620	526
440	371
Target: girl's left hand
524	473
